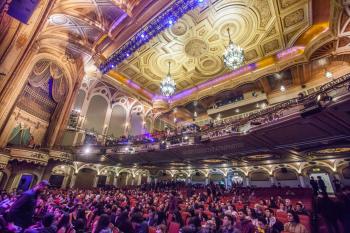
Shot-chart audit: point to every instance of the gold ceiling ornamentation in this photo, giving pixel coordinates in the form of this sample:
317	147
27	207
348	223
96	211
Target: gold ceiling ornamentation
195	44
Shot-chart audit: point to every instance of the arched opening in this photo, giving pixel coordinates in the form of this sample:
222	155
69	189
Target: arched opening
235	178
259	179
148	125
26	181
122	179
180	177
101	182
3	180
346	175
56	180
217	178
79	101
95	116
319	172
287	177
85	178
164	177
136	124
117	123
198	178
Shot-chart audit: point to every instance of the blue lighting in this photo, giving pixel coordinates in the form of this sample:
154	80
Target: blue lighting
153	28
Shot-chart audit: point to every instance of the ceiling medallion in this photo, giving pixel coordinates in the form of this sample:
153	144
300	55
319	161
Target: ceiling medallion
168	85
233	55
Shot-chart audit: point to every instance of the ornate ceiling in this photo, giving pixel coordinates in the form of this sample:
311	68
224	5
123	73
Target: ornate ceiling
194	45
79	26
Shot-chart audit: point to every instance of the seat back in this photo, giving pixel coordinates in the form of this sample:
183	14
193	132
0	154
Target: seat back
174	227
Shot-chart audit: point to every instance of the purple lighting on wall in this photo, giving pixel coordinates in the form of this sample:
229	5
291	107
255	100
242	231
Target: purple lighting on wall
215	81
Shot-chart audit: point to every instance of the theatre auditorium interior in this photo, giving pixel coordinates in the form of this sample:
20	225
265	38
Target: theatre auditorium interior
168	116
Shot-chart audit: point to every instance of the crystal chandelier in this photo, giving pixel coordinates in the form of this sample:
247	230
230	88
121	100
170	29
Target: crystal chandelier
233	55
168	86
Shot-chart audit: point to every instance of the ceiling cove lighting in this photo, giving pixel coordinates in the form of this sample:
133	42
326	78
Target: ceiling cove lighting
165	20
233	55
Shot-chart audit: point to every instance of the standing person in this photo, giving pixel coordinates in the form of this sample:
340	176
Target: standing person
314	185
22	211
337	185
321	185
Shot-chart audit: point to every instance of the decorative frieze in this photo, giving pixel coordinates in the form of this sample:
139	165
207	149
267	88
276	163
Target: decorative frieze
4	160
29	156
60	156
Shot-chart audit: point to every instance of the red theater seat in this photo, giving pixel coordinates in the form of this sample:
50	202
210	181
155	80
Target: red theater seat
174	227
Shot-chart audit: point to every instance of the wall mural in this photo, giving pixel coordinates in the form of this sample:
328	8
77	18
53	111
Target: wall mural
39	101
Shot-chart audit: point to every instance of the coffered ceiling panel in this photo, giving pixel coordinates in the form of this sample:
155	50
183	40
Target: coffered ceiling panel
195	44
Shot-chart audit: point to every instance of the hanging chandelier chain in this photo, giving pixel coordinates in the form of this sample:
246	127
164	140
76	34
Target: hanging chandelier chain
229	35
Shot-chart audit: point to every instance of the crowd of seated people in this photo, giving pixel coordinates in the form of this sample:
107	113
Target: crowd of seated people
160	208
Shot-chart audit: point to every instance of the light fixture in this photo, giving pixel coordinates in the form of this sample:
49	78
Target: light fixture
328	74
168	86
282	88
195	114
175	119
233	55
237	110
87	150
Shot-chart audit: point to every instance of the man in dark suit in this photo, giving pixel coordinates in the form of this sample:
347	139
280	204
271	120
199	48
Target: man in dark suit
321	185
22	211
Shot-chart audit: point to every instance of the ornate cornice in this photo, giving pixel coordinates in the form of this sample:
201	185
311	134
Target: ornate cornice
29	156
4	159
61	156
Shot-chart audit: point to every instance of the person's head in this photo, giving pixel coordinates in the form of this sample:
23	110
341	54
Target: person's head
298	206
292	217
41	186
242	214
137	218
227	221
103	223
161	228
288	202
319	177
269	213
48	220
312	178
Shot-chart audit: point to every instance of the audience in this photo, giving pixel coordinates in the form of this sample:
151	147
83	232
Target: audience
151	208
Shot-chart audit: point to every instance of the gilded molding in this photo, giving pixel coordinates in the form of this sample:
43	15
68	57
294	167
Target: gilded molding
29	156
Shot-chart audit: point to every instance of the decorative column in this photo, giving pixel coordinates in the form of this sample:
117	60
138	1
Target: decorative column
226	182
115	181
302	180
206	180
72	181
272	179
156	180
65	181
188	180
132	180
95	181
149	180
247	181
